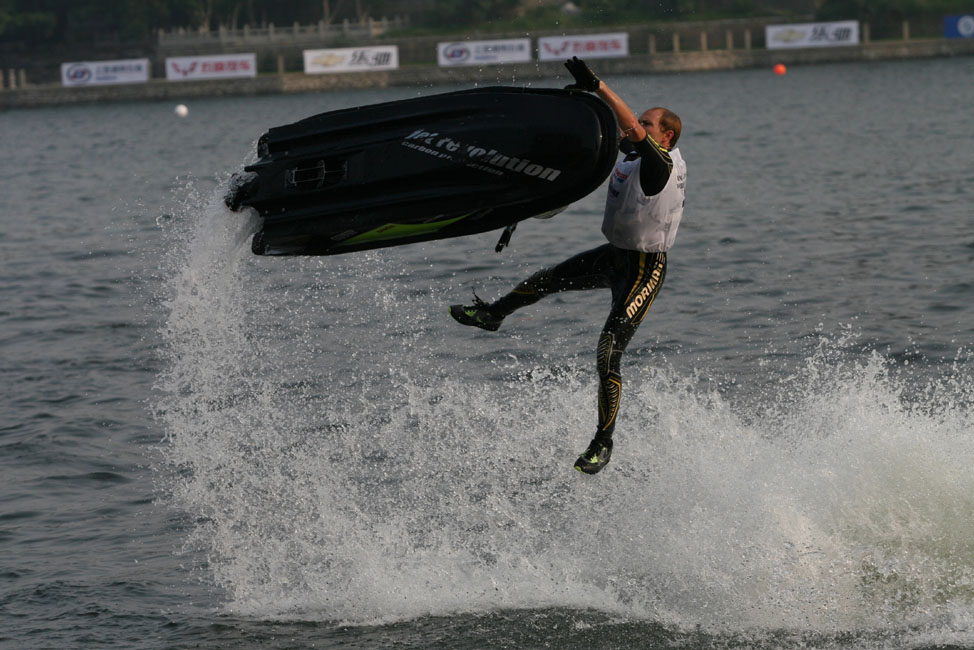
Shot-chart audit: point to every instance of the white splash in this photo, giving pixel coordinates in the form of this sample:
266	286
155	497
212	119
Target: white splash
345	468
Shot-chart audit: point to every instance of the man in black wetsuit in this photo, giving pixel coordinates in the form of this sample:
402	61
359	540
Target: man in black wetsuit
642	213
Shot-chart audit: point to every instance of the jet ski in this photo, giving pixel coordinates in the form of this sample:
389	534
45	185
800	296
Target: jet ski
414	170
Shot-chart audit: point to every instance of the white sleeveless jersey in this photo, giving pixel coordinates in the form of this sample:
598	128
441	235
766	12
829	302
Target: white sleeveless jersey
638	222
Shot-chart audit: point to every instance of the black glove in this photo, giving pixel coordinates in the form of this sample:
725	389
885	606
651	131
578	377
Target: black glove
585	79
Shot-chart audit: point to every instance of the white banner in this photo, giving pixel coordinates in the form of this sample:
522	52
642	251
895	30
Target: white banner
218	66
103	73
511	50
588	46
351	59
778	37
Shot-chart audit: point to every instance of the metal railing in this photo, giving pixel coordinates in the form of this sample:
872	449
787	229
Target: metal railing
272	34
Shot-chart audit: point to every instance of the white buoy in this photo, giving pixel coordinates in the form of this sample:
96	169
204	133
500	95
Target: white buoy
181	110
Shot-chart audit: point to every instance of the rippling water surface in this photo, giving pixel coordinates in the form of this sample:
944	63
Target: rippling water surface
202	448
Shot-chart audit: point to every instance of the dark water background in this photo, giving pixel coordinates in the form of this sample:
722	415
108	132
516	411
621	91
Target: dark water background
201	448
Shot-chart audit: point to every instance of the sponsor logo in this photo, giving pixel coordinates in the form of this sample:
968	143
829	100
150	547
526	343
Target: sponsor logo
515	50
211	67
812	34
822	34
82	73
180	70
491	161
644	294
456	53
351	59
557	50
616	182
371	59
789	36
328	60
208	68
79	73
965	26
583	47
590	46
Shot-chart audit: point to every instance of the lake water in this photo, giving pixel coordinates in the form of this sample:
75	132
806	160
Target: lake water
206	449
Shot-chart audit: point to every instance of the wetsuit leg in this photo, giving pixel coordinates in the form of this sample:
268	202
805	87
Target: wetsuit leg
637	279
589	270
634	277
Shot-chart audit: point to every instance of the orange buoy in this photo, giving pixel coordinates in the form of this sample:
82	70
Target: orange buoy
780	69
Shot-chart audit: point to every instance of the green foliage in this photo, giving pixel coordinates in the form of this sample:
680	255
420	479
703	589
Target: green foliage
52	21
468	13
30	26
867	10
25	22
883	11
133	20
6	7
607	12
619	12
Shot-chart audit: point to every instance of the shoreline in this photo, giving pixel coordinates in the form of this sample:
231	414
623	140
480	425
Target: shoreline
430	75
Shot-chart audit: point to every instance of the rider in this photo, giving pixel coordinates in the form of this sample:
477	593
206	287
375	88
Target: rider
642	213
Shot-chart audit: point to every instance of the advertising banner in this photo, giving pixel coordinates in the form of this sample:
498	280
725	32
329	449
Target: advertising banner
587	46
512	50
959	26
103	73
217	66
778	37
351	59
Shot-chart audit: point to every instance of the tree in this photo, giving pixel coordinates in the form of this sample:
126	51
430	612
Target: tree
21	21
448	13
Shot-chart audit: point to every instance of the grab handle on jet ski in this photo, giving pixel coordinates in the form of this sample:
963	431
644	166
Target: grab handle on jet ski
505	238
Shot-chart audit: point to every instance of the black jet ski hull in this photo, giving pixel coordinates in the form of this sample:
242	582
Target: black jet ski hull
420	169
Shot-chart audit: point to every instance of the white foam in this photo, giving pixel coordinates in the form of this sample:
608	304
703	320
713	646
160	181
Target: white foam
343	481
